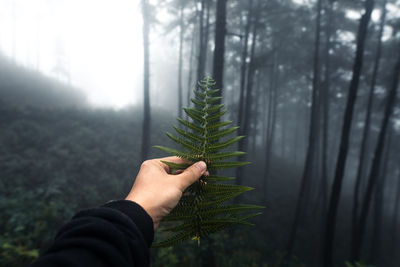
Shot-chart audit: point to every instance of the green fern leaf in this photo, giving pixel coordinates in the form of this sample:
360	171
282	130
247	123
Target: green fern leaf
203	210
224	165
191	126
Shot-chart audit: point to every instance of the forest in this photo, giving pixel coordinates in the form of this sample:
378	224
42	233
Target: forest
313	86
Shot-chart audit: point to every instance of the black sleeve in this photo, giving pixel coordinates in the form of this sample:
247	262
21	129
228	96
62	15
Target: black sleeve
116	234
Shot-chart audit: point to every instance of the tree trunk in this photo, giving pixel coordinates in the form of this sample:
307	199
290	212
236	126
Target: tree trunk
271	123
206	37
365	136
376	162
146	83
307	172
393	241
242	102
181	31
219	50
325	101
247	113
256	114
201	52
378	205
191	63
344	141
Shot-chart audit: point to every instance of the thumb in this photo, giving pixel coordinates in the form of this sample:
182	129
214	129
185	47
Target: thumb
191	174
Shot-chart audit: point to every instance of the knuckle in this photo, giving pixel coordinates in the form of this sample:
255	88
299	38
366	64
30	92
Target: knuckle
193	172
145	163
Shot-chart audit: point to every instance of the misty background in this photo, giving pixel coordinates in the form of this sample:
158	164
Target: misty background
88	87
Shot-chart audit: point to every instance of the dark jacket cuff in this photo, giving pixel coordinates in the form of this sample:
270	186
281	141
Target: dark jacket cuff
137	214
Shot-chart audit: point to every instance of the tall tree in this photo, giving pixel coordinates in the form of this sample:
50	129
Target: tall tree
325	102
312	138
271	119
345	136
379	195
181	35
367	122
190	75
376	163
201	50
395	217
243	68
146	81
219	41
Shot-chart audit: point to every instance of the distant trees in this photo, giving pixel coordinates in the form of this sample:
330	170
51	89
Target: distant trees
146	82
277	85
242	119
219	41
180	59
313	133
376	161
366	131
345	136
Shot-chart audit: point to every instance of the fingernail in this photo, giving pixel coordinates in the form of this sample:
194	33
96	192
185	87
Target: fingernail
201	166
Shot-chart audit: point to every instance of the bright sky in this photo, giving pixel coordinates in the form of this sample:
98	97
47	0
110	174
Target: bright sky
99	42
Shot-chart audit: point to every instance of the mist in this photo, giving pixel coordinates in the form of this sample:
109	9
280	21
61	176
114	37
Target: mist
87	88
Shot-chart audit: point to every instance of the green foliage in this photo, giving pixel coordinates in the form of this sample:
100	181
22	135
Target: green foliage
202	209
357	264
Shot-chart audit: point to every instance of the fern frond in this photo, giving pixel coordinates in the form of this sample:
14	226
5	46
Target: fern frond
221	133
201	96
198	102
191	126
178	153
216	116
174	240
202	210
186	144
224	155
181	166
215	108
225	144
215	178
216	126
227	164
189	135
194	114
212	100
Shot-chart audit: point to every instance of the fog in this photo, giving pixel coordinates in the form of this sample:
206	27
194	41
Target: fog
87	88
93	45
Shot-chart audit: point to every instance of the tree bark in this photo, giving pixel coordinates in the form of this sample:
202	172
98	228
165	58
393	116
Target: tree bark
344	141
249	92
307	172
394	228
379	195
201	52
190	75
181	32
271	123
365	135
376	163
243	69
219	50
325	101
146	82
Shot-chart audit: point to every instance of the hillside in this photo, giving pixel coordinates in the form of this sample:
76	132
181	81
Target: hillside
23	87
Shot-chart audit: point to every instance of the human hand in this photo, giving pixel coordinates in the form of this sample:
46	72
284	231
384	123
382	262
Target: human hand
157	191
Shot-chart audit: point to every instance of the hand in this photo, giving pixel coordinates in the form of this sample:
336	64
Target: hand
157	191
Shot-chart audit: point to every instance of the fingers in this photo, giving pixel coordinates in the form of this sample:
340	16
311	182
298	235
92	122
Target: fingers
191	174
